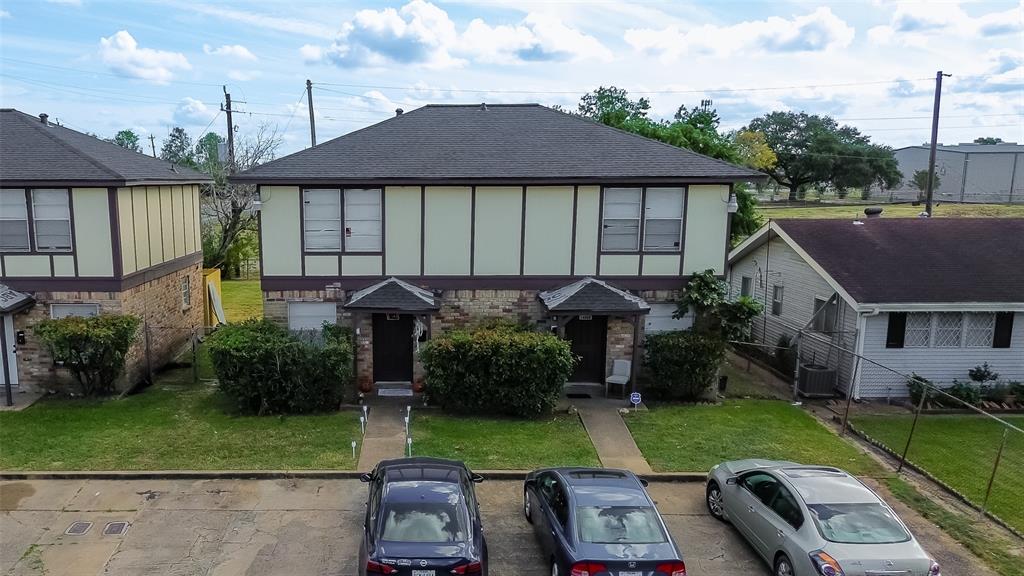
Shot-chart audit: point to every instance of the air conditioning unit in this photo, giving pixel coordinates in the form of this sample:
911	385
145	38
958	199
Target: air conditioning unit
816	381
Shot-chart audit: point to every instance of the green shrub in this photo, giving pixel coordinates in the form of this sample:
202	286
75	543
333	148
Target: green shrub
918	386
681	365
964	391
1017	389
995	392
501	370
92	348
982	374
265	369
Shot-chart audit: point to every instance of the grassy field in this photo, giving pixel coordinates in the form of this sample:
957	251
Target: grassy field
242	299
695	438
898	211
172	425
960	451
503	444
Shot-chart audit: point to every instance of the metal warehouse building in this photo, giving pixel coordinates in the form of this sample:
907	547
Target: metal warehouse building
967	172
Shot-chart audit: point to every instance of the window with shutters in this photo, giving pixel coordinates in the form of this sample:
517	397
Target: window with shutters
620	230
362	220
321	220
918	330
13	220
948	329
51	219
663	219
979	327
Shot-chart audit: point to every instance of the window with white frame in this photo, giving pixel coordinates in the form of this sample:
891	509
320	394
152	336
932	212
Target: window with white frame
777	294
620	231
663	219
948	329
321	220
746	286
979	329
13	220
918	331
661	318
82	310
311	315
186	292
362	220
825	310
51	218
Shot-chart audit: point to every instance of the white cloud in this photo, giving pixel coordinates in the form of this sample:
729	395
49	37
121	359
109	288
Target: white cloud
916	24
191	112
4	14
537	38
818	31
244	75
311	53
122	54
233	50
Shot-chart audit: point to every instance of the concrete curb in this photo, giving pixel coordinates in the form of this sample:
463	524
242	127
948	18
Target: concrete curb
6	475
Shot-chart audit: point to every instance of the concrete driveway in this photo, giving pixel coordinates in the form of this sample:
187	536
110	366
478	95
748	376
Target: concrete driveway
265	527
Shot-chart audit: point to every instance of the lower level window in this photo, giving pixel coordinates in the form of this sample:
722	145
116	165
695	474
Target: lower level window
311	315
186	292
65	310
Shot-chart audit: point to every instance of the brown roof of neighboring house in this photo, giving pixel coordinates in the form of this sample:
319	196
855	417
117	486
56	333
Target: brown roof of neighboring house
917	260
526	143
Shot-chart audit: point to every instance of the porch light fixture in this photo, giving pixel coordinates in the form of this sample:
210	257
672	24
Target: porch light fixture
732	207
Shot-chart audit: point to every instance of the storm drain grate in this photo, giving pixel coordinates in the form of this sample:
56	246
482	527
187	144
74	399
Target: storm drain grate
78	528
115	528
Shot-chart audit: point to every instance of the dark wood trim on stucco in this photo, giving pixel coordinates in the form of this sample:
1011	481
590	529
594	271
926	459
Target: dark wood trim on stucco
74	241
472	229
164	268
423	229
283	283
640	240
103	284
686	216
572	245
302	233
728	234
600	230
259	226
516	181
383	233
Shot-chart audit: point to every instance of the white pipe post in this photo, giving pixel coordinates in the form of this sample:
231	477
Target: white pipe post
362	425
408	442
366	413
353	449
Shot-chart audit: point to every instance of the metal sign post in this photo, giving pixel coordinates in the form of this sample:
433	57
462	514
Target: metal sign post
634	399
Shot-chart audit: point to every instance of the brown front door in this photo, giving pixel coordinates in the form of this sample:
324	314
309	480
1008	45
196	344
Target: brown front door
588	343
392	347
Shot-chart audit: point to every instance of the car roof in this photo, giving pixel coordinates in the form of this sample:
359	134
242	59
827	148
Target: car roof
419	469
423	491
604	487
825	485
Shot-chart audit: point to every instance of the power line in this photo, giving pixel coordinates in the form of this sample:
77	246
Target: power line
95	72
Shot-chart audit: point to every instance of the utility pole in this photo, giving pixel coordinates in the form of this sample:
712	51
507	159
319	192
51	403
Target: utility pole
226	107
152	144
935	136
312	123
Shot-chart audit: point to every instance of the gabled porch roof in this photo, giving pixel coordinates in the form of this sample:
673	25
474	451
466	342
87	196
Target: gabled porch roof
14	301
593	296
393	295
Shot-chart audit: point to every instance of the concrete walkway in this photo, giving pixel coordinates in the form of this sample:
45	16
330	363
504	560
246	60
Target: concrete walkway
385	433
611	438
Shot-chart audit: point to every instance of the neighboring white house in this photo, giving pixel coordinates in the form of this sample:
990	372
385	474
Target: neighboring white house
966	172
931	296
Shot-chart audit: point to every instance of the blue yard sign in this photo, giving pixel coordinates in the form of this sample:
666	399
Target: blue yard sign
634	399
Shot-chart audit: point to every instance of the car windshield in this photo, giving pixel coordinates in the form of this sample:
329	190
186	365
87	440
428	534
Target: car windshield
433	522
858	523
619	525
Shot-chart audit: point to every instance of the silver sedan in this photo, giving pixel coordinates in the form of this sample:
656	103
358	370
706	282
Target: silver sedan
814	521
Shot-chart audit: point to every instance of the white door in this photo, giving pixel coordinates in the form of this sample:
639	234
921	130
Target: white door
9	371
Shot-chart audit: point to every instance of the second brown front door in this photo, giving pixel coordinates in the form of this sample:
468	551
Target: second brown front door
392	347
587	335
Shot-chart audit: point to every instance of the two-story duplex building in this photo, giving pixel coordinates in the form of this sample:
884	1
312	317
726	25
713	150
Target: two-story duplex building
87	227
451	213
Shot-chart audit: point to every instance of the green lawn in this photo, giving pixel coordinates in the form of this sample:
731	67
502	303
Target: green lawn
960	451
695	438
503	444
242	299
898	211
167	427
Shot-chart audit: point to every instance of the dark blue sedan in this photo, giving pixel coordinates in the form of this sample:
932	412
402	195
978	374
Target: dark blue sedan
598	522
422	519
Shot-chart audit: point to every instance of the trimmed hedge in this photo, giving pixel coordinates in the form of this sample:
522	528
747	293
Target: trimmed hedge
681	365
497	371
92	348
265	369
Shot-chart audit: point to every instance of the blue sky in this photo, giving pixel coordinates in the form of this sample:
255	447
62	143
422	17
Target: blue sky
100	66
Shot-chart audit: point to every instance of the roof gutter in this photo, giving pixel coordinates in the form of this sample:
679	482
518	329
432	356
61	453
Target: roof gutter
876	308
470	181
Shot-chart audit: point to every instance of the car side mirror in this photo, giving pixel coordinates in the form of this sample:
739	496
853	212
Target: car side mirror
365	477
732	481
476	478
644	482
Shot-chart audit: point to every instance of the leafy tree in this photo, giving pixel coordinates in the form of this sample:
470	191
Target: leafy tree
920	179
753	150
128	140
177	148
612	106
816	150
207	153
988	140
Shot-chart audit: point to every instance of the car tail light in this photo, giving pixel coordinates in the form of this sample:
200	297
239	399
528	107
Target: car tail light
471	568
935	570
378	568
826	565
672	569
587	569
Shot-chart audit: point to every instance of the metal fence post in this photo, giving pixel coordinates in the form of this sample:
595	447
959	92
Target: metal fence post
849	394
992	479
917	414
796	367
195	359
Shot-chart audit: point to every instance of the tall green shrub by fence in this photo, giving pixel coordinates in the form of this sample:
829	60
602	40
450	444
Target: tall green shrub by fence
93	348
681	365
498	371
265	369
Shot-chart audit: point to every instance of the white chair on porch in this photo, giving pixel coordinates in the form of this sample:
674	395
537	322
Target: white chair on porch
619	376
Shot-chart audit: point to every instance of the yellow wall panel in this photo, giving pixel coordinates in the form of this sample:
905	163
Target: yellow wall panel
178	220
156	240
447	235
282	231
706	219
402	229
93	246
167	222
126	228
588	204
359	266
321	265
197	229
190	220
26	265
499	214
548	243
64	266
620	264
140	210
661	265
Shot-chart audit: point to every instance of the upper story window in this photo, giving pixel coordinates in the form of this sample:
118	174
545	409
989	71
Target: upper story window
663	219
621	226
49	219
777	294
336	220
825	311
658	211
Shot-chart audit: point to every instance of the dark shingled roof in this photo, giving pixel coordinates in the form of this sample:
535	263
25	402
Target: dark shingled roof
502	143
918	260
393	294
593	296
34	153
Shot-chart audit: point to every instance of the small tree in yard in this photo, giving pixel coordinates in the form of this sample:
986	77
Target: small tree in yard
93	349
921	182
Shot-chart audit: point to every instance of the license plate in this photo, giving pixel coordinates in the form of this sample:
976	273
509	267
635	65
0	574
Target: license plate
430	573
631	574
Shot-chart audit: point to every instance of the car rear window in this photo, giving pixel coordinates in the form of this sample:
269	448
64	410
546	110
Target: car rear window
619	525
858	523
433	522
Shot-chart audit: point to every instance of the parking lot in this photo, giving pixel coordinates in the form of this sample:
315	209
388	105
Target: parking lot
294	527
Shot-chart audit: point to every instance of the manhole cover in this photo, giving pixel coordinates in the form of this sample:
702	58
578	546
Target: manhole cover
78	528
115	528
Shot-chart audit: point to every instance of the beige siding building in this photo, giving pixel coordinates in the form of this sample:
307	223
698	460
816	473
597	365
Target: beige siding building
451	214
86	228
